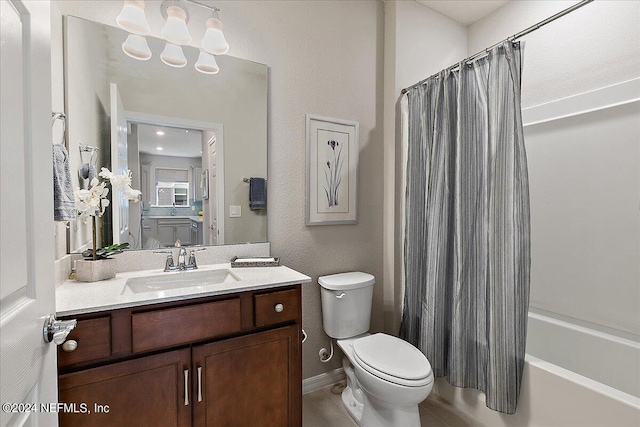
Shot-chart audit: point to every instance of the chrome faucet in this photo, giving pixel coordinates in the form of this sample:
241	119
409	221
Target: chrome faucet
183	263
182	256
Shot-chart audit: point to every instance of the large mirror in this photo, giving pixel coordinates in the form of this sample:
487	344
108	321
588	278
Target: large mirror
193	141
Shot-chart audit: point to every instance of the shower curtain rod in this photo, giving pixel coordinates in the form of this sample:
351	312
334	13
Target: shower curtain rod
512	38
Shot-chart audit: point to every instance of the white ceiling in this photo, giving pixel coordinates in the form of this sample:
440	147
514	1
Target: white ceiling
176	142
464	11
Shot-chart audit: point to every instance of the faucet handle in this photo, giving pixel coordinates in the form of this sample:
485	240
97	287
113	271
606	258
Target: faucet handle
192	257
169	265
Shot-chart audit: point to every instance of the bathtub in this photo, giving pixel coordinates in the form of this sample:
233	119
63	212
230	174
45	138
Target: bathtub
600	356
573	376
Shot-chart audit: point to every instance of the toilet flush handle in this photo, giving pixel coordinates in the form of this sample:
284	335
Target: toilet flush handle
340	295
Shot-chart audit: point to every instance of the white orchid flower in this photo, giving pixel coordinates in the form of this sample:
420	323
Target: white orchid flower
105	173
93	201
131	194
117	181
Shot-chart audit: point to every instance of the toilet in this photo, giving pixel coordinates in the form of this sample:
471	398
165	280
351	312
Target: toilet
386	377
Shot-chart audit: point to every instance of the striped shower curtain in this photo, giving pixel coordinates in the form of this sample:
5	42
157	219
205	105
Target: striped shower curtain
466	240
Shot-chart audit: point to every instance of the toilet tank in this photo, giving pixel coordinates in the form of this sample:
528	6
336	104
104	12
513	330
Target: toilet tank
346	303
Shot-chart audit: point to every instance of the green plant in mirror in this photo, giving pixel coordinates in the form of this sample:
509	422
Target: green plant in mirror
106	252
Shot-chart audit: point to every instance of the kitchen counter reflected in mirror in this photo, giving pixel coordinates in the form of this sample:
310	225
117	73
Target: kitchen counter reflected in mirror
190	140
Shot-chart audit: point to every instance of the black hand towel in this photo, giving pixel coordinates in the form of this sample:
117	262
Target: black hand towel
257	194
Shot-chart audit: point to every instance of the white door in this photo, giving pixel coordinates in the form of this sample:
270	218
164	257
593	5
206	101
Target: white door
214	213
119	166
27	365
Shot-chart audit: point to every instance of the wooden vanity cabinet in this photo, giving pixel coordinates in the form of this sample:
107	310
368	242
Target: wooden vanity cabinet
247	381
230	360
142	392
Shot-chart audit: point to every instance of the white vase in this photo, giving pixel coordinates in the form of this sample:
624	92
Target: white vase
94	271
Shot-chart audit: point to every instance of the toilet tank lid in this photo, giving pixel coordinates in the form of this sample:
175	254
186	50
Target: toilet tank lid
344	281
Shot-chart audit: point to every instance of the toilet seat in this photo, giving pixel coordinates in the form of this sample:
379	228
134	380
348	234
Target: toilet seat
393	360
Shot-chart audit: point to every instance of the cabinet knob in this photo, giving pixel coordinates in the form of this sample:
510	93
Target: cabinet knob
70	346
279	308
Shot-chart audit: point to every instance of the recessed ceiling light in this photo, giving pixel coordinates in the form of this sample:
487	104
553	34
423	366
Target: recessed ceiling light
160	133
186	131
159	148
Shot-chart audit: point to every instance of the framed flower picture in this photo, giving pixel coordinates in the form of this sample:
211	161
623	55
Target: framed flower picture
332	170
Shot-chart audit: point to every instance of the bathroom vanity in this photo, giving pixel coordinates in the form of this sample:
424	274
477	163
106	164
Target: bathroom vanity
221	354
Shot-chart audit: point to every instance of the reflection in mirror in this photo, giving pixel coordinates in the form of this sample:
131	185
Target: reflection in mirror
190	140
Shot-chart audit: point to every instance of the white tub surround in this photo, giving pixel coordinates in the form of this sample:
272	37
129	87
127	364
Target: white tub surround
73	298
550	397
603	357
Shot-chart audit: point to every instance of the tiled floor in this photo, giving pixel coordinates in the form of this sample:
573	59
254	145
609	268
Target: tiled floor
322	408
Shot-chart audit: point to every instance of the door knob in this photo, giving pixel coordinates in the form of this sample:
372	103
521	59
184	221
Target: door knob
57	330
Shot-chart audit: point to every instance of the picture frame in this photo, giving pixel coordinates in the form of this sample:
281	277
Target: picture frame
332	170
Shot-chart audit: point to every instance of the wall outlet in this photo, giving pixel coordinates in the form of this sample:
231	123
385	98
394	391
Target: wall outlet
235	211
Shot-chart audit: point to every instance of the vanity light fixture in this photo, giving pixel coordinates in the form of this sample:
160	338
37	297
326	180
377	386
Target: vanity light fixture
207	63
136	47
175	29
213	41
133	19
173	56
175	32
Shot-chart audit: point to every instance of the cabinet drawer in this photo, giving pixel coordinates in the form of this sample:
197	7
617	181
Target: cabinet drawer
94	342
266	307
182	325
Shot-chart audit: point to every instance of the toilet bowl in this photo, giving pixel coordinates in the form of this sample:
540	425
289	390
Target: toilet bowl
386	377
391	376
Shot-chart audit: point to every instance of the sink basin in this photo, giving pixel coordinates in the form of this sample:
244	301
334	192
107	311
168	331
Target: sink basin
177	280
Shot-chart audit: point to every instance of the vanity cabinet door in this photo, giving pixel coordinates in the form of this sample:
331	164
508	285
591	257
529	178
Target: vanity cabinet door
170	230
150	391
253	380
166	233
183	233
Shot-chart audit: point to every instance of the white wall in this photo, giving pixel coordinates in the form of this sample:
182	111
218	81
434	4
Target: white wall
87	109
595	46
418	43
57	105
324	58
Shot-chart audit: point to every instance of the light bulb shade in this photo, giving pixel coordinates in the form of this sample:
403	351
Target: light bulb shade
132	18
175	29
173	56
207	63
136	47
213	41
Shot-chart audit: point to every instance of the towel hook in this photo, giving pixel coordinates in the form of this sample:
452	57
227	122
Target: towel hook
62	117
248	180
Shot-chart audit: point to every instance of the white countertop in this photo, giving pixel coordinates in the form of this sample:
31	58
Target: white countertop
73	297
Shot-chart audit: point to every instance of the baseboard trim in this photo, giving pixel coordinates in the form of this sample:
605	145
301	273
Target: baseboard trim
322	380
